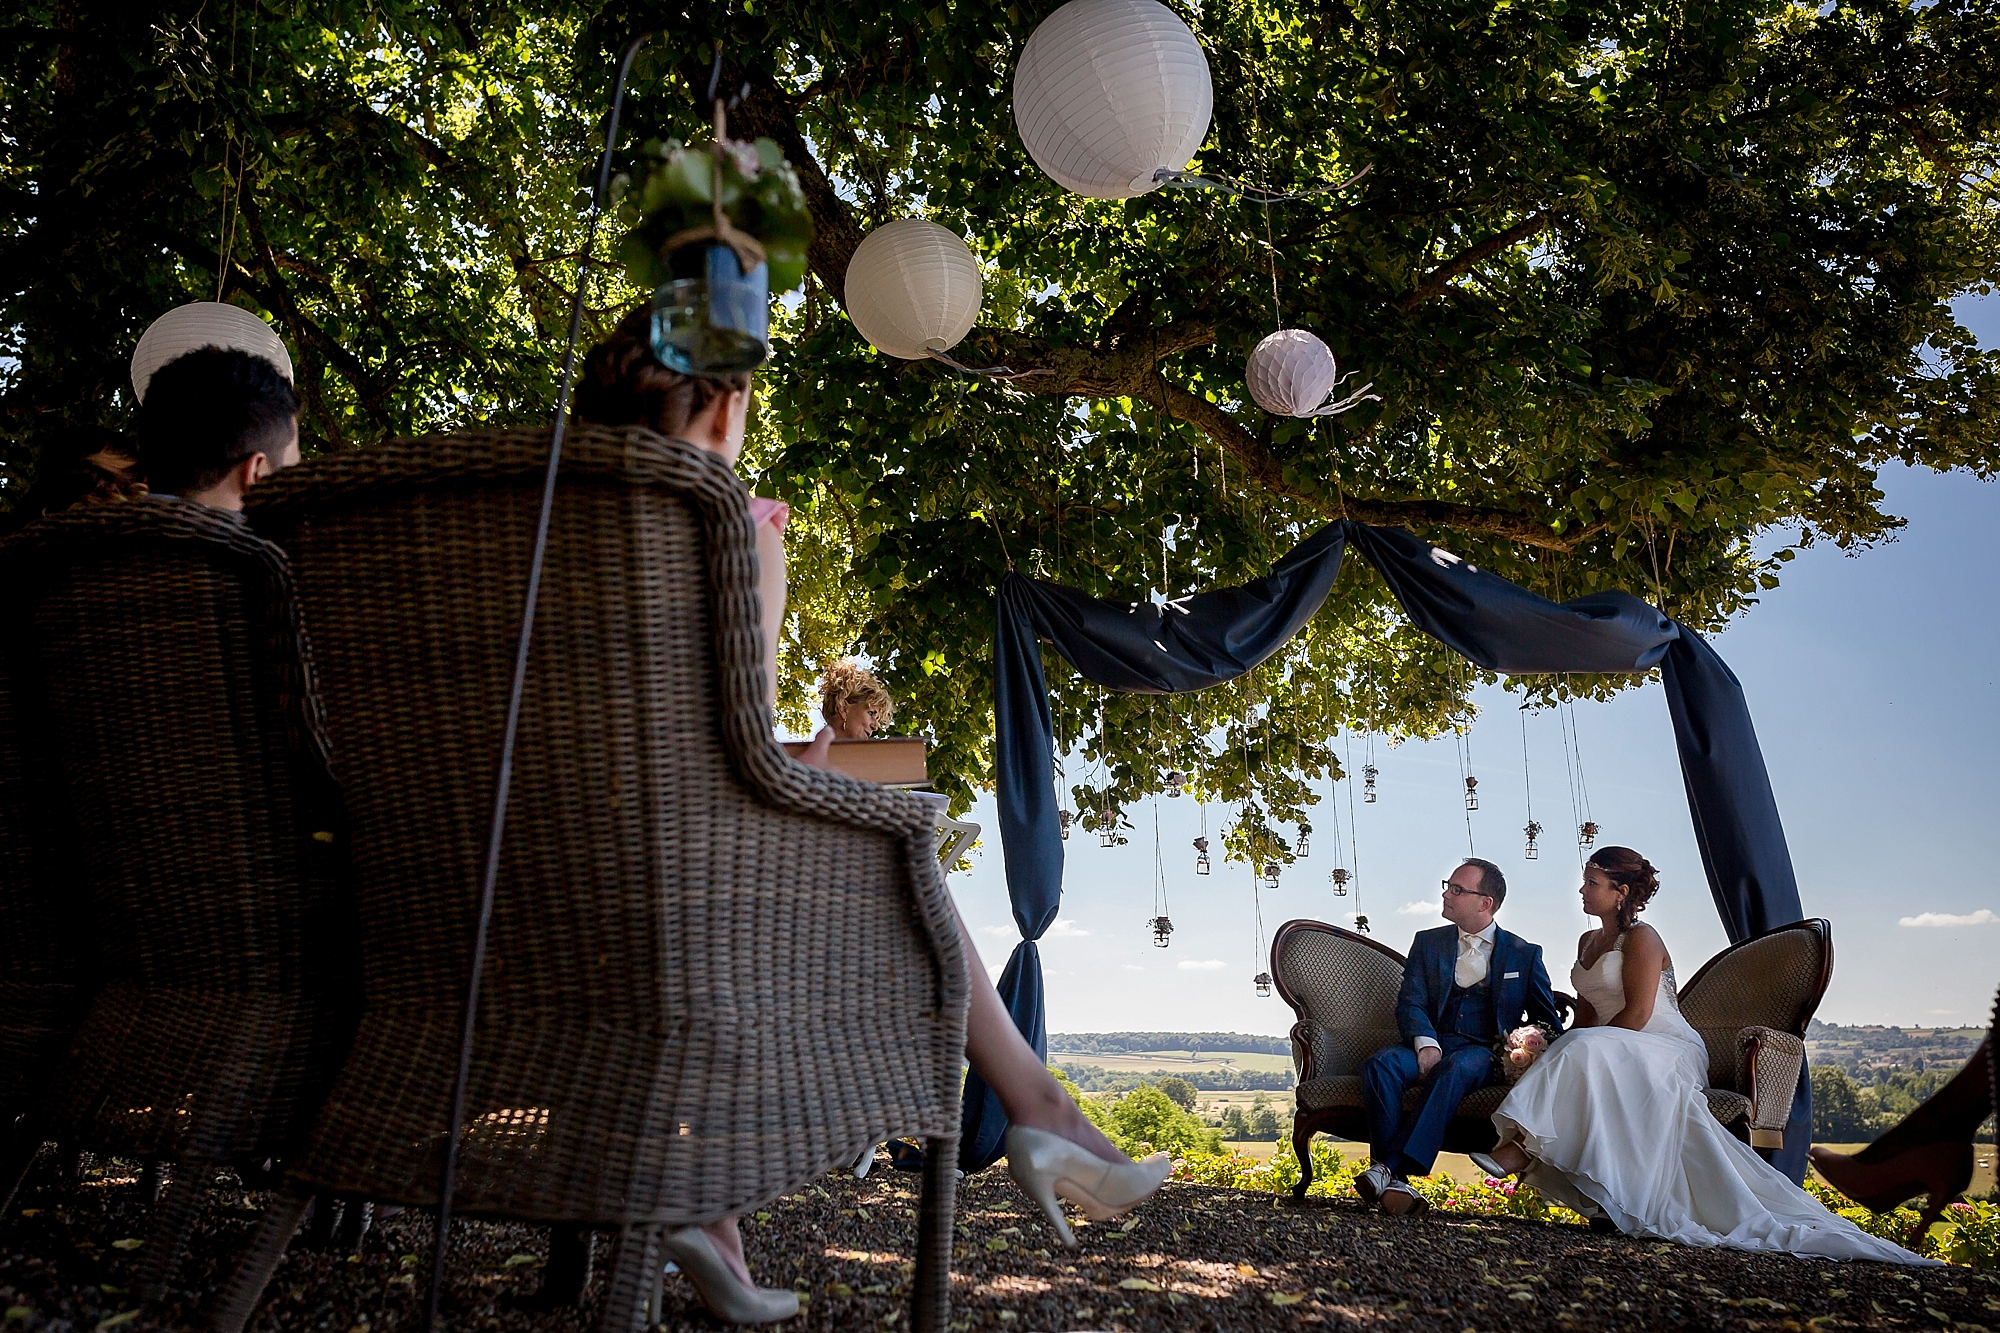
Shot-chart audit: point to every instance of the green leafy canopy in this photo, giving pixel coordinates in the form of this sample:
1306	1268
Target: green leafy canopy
1650	293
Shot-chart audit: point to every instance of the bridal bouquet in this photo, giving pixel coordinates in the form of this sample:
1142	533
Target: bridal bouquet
1521	1048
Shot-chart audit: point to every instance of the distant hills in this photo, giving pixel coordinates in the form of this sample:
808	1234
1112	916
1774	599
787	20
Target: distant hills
1869	1052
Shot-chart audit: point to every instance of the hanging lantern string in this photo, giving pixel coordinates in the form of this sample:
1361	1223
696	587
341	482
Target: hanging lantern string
1229	185
1563	720
1353	827
1527	783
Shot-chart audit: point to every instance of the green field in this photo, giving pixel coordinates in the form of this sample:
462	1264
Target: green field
1175	1062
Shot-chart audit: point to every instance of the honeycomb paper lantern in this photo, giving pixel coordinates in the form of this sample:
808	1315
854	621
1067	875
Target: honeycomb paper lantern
204	324
1290	373
1109	92
913	288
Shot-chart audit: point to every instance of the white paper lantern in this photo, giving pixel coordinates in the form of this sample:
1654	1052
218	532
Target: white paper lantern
1290	373
1109	92
204	324
913	288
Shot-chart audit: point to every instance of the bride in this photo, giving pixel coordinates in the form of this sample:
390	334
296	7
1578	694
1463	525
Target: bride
1612	1119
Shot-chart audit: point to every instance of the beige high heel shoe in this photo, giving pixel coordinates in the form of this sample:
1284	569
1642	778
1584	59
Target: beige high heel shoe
1045	1165
726	1295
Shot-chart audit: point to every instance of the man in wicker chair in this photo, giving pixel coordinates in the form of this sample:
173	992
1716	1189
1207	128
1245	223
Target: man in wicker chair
1463	986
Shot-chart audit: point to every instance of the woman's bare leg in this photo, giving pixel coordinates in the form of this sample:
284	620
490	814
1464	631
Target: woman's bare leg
728	1242
1028	1092
1511	1156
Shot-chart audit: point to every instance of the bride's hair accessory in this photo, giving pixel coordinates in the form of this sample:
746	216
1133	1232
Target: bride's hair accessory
1631	872
1517	1050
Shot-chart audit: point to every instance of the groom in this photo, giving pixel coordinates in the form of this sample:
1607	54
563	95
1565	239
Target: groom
1463	986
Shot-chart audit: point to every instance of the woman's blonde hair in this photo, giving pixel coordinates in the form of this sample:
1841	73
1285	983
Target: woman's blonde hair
846	682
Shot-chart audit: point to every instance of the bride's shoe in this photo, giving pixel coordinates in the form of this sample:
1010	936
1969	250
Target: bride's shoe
1046	1165
1939	1171
727	1296
1492	1168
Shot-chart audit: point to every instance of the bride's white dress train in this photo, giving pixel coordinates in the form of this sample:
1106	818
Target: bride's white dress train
1617	1119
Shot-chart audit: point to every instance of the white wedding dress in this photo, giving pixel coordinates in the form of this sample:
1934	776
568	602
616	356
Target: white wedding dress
1616	1123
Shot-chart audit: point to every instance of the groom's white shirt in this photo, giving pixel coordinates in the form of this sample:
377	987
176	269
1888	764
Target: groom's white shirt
1475	955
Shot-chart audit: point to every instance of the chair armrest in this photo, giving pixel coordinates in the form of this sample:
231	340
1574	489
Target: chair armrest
1308	1040
1565	1010
1767	1072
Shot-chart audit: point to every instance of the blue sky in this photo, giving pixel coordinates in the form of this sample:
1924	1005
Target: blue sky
1871	680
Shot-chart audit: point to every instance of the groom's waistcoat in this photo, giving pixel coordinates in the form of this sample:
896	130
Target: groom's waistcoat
1468	1012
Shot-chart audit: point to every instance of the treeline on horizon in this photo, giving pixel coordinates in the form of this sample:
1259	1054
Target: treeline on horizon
1091	1078
1132	1043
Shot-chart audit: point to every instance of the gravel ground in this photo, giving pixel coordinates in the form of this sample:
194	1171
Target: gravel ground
1194	1259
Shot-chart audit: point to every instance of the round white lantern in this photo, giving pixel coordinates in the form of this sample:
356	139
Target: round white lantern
913	288
204	324
1109	92
1290	373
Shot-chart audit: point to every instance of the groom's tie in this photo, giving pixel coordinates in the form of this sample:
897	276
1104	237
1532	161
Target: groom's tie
1471	969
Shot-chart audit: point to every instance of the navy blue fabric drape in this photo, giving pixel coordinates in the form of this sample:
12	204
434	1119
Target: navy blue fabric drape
1206	639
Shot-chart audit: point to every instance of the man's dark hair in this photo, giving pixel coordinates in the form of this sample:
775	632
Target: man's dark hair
1491	881
207	411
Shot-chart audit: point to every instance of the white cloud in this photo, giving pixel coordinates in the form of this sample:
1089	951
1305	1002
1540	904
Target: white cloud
993	972
1420	909
1064	928
1983	917
1133	967
1007	931
1204	965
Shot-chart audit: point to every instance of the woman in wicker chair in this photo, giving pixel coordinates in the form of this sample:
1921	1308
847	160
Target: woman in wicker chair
1051	1147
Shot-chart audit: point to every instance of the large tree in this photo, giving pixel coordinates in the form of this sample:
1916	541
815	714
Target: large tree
1648	291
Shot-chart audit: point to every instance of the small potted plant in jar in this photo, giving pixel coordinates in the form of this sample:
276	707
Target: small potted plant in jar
715	231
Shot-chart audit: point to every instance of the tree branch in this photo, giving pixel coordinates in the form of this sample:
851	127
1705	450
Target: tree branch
1439	279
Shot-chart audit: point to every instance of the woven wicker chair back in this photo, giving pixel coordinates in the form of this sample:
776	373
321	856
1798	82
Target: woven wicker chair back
163	687
44	929
712	973
1774	980
1345	984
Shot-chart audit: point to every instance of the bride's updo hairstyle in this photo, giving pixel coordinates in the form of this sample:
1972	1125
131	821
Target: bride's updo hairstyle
1631	872
624	384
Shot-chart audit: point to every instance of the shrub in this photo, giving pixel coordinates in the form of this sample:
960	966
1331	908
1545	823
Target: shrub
1333	1177
1146	1120
1899	1225
1970	1235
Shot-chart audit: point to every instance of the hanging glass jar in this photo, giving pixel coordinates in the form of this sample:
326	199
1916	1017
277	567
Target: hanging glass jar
1201	856
1162	927
1270	874
1107	827
1368	784
1534	831
1472	793
1305	839
1176	780
1586	833
1340	878
1361	924
1065	818
1263	984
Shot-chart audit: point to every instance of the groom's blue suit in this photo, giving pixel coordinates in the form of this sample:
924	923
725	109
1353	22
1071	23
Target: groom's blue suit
1464	1022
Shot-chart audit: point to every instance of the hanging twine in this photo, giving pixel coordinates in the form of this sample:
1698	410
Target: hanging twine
748	249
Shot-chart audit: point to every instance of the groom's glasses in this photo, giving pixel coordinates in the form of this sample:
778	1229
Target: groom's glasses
1452	890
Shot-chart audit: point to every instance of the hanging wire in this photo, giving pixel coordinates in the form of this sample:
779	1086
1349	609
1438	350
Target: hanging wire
1533	829
1162	922
1229	185
1587	830
1576	815
496	831
1354	827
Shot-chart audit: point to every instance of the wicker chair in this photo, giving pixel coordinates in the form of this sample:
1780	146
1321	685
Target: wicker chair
712	973
1750	1003
163	693
45	976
